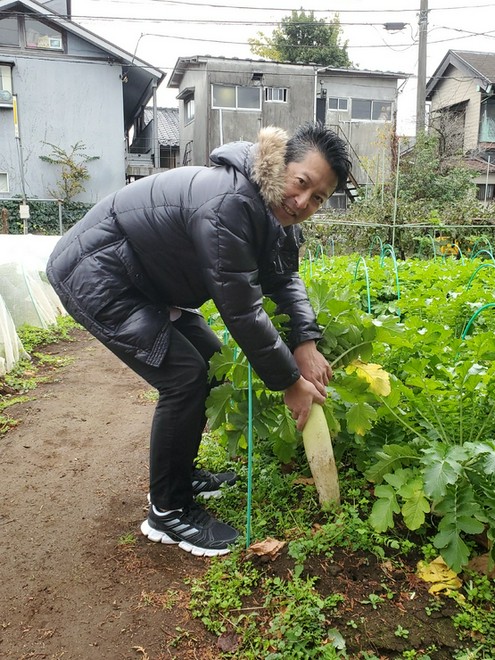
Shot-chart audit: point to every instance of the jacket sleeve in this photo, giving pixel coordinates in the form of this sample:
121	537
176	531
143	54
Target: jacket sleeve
229	238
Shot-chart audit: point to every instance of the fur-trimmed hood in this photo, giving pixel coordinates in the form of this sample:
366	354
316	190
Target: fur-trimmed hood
263	162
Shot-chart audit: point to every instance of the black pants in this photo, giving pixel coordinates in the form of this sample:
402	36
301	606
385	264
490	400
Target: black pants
179	418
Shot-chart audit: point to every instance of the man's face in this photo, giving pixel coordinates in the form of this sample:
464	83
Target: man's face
308	184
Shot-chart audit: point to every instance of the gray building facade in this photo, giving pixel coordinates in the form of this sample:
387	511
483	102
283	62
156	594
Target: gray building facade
62	85
223	100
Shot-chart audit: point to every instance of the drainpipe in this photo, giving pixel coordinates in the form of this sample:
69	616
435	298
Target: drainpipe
24	208
156	144
314	95
486	181
220	120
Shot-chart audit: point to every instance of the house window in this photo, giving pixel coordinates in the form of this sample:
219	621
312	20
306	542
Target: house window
4	182
248	98
335	103
189	110
371	110
382	110
223	97
337	201
241	98
487	121
39	35
5	85
276	94
9	32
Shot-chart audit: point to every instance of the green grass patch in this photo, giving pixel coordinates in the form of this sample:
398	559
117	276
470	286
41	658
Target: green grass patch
27	374
32	337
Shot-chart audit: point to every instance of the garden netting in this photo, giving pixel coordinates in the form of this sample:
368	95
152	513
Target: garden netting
26	296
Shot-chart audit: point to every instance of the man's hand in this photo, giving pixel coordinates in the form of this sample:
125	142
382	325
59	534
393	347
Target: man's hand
299	398
313	366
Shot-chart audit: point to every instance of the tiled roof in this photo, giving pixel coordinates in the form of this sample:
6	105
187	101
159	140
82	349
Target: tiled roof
479	165
168	125
477	66
483	63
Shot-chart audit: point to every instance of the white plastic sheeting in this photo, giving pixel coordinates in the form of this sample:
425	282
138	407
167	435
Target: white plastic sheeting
26	296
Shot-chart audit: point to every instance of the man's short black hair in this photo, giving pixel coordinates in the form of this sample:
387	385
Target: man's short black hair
314	136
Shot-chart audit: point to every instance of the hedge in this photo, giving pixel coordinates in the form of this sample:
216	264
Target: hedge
44	216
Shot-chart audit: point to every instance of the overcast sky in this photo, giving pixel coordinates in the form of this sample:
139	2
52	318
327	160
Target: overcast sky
160	31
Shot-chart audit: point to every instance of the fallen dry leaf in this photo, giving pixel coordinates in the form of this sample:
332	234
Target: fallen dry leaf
305	481
270	548
482	564
443	578
228	642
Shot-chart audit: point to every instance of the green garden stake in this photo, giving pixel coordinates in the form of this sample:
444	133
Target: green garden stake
376	239
484	251
474	316
332	243
388	249
482	240
250	458
362	260
434	247
319	251
306	259
468	285
226	335
460	254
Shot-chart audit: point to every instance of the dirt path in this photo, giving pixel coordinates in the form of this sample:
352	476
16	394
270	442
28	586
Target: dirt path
73	483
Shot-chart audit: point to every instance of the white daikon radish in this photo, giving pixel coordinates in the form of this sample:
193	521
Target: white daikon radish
319	452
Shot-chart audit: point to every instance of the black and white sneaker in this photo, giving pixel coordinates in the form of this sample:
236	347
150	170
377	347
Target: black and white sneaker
206	484
192	528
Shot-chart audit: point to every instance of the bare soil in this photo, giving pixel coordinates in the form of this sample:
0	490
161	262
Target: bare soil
73	482
73	486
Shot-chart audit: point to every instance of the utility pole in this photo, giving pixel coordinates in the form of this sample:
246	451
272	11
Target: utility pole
421	92
23	206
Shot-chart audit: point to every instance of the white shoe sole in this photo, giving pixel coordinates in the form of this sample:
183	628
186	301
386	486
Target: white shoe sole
161	537
213	494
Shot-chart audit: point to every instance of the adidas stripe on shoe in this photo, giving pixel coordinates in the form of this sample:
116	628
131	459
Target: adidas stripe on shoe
192	528
208	484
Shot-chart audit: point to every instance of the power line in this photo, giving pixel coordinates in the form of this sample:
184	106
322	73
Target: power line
490	34
307	11
155	21
199	21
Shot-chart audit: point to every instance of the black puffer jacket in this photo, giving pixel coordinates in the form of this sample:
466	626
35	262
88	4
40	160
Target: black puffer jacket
180	238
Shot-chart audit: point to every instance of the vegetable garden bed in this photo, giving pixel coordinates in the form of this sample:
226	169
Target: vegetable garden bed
411	410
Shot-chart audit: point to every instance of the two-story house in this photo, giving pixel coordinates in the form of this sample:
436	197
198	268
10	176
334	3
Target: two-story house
461	93
142	148
226	99
361	107
61	84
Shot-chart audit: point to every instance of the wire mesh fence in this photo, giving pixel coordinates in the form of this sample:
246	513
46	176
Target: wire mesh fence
422	240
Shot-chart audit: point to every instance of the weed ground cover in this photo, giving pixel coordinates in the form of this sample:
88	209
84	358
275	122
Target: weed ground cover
333	584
